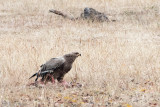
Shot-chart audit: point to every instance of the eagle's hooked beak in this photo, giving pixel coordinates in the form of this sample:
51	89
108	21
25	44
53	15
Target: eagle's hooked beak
78	55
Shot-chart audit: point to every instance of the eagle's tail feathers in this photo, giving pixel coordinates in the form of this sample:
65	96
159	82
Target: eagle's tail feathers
33	75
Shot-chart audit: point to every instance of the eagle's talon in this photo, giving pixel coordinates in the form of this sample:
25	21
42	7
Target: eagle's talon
65	84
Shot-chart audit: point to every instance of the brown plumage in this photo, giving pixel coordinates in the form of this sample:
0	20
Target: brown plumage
56	68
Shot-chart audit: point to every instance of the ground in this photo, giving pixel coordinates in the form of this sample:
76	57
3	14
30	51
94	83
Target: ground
119	64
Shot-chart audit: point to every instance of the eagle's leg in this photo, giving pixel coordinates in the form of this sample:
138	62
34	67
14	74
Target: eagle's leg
52	78
46	78
53	81
43	80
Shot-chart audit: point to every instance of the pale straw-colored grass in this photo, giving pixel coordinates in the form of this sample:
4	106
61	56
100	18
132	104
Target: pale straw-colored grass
120	62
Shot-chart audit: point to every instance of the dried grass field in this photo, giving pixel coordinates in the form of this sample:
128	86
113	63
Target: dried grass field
120	62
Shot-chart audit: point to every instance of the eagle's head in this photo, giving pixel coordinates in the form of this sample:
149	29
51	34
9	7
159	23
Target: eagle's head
76	54
71	56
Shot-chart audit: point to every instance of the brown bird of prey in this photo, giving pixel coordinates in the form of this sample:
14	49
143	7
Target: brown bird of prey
56	68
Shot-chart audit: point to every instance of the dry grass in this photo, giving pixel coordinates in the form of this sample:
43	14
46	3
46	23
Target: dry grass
120	62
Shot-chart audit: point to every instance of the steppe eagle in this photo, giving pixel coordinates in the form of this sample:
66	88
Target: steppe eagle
56	68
